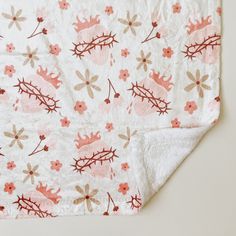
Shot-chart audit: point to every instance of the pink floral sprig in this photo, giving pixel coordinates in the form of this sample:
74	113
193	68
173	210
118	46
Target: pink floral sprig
116	94
150	37
43	31
110	201
37	150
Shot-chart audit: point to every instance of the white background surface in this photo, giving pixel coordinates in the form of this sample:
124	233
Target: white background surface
198	200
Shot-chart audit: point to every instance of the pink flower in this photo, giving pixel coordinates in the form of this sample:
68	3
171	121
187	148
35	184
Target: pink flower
167	52
56	165
190	107
176	8
55	49
125	166
109	10
65	122
80	106
10	47
63	4
9	70
124	74
124	52
123	188
9	188
109	127
175	123
11	165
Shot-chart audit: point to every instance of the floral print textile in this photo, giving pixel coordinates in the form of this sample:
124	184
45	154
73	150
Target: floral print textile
91	94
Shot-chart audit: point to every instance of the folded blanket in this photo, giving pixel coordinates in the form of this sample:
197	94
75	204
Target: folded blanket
100	101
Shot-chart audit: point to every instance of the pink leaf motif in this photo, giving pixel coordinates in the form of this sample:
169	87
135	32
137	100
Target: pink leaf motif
49	77
87	23
47	192
198	25
159	79
80	141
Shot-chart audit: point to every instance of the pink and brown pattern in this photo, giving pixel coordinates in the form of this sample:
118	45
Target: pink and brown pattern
79	92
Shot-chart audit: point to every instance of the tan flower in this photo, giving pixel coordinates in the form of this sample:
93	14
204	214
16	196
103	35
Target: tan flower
130	23
143	60
30	173
87	83
198	82
14	18
87	197
127	136
17	136
31	56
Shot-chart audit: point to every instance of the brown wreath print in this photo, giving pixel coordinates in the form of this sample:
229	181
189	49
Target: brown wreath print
193	50
146	95
31	207
102	41
101	156
48	102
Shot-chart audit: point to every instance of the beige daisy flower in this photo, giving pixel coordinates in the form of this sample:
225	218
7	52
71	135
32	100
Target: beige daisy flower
17	136
143	60
31	56
14	18
130	23
30	173
87	197
127	136
198	82
87	83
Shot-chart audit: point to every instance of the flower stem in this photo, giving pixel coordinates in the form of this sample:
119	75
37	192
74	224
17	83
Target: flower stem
32	35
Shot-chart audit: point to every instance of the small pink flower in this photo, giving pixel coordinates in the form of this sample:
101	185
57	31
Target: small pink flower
63	4
190	107
65	122
124	52
109	10
175	123
109	127
9	188
10	47
56	165
123	188
11	165
176	8
125	166
80	106
55	49
124	74
9	70
167	52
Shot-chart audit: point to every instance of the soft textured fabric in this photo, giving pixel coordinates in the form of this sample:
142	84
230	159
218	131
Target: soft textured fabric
101	100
